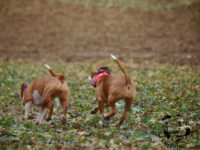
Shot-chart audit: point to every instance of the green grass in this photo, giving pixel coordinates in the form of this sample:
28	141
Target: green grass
161	90
141	4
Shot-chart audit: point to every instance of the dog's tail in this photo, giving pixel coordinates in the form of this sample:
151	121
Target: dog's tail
60	76
128	80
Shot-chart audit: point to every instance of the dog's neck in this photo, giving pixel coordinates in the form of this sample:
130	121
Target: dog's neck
97	77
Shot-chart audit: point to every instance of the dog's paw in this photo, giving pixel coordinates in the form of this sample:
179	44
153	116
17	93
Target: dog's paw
30	117
42	122
25	118
48	119
118	125
93	112
37	122
63	120
107	118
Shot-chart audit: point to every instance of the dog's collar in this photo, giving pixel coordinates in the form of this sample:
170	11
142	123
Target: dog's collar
96	78
26	85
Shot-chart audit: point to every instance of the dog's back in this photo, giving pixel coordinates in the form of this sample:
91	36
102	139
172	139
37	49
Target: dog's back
50	85
116	85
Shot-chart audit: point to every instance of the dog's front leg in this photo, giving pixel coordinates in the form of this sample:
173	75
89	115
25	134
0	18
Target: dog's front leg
41	115
111	103
50	105
27	108
101	107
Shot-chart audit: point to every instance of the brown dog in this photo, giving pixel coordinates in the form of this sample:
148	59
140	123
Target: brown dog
42	92
111	88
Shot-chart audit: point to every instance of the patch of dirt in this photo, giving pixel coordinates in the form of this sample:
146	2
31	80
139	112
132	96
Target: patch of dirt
44	31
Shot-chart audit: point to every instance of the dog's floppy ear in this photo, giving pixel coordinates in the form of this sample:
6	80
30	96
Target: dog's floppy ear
22	89
104	69
93	74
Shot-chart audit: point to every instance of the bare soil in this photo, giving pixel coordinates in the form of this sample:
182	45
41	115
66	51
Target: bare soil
52	31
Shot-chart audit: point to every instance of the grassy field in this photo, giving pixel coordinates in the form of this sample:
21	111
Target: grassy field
161	90
142	4
159	41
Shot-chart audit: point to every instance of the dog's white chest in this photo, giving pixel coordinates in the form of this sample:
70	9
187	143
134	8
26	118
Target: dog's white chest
37	98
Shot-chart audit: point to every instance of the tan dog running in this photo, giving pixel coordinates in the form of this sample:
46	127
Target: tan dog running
42	92
111	88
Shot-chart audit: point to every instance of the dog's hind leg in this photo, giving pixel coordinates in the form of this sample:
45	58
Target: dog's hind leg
64	102
50	105
44	104
127	108
41	115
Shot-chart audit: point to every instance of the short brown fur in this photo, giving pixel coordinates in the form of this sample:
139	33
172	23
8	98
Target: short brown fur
110	89
49	87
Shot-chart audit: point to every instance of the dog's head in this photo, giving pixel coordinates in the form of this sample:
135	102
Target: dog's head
100	70
23	86
94	75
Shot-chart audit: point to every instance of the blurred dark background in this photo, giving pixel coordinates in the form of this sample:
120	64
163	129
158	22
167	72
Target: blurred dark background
164	31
